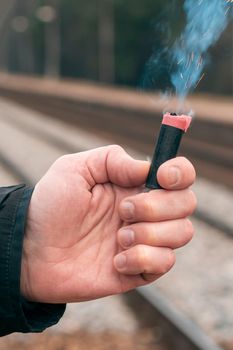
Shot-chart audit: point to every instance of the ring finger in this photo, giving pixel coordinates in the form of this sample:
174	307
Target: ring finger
158	206
172	234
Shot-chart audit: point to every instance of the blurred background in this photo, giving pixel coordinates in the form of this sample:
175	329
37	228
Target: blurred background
74	76
103	40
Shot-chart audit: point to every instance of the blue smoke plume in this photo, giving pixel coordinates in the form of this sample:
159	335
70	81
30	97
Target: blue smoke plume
179	66
206	20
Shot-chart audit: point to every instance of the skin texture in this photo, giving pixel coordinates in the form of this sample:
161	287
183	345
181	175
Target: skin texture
92	231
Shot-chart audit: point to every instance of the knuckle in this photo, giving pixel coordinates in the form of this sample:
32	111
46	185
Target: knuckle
151	236
62	161
189	229
68	163
193	200
142	256
149	208
62	158
115	148
191	203
186	233
170	260
144	234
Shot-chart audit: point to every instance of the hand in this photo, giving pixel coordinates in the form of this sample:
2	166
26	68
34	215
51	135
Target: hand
91	232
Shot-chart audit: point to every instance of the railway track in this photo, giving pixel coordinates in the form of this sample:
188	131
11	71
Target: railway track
151	307
178	332
209	143
129	128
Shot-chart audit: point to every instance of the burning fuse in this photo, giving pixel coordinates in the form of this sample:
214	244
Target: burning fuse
172	129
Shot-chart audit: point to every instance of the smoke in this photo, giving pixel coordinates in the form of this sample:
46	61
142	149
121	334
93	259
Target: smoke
180	66
206	20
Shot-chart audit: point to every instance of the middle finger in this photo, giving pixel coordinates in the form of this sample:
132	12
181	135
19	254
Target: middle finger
158	205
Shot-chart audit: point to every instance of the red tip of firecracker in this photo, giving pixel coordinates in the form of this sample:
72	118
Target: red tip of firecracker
177	121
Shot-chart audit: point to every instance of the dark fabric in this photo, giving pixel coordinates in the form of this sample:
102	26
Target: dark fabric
16	313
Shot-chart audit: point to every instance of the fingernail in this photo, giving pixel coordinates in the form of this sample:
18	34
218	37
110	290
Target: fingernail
128	209
127	237
174	175
120	261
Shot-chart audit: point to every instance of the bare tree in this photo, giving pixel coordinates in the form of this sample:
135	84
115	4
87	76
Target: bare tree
6	9
106	41
50	17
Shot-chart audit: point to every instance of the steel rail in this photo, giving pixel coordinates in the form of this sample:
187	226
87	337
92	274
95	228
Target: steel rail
179	332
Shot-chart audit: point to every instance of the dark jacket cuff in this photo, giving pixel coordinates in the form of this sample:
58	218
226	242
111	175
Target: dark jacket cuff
16	313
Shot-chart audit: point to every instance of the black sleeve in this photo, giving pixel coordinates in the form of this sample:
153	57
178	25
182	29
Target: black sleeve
16	313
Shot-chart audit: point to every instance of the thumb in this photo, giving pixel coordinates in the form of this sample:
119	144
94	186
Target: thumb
124	170
113	164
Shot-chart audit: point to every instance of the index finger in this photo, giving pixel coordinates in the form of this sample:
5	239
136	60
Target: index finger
176	174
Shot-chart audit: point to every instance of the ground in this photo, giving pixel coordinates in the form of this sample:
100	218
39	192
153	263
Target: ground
142	340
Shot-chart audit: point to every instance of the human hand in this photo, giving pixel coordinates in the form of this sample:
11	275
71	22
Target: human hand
91	232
